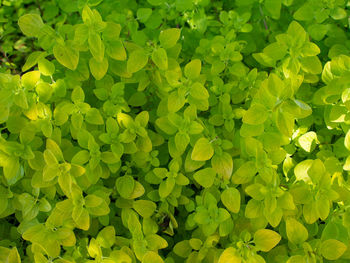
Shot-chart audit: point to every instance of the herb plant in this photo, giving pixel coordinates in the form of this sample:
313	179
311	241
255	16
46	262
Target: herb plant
174	131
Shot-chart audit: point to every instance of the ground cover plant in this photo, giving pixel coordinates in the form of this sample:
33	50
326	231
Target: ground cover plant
174	131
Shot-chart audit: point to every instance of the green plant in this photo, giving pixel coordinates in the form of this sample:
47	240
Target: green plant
175	131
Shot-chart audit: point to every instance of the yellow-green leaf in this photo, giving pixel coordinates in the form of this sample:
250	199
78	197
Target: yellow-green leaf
98	69
296	232
144	207
160	58
202	150
205	177
137	61
231	199
193	69
81	217
66	55
169	37
332	249
266	239
230	255
152	257
31	24
256	114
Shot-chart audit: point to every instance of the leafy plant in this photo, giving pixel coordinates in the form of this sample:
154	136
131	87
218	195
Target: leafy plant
174	131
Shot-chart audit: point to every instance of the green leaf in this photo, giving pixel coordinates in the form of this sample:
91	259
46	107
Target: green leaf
120	256
266	239
143	14
256	114
309	171
164	124
96	46
81	157
166	187
296	108
160	58
308	141
106	237
273	7
30	79
98	69
78	95
181	141
205	177
125	186
317	31
183	5
245	173
31	25
347	140
21	100
13	256
296	31
145	208
137	99
311	65
223	165
139	190
81	217
193	69
217	67
66	55
109	158
53	147
151	256
137	61
176	101
303	13
81	34
116	50
274	51
33	59
11	168
44	91
310	212
156	242
297	259
230	255
94	249
202	150
332	249
169	37
96	206
231	199
46	67
338	13
142	118
285	123
198	91
310	49
296	232
182	249
93	116
93	201
111	32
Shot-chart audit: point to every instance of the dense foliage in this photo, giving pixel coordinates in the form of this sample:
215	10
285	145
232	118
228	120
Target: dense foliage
174	131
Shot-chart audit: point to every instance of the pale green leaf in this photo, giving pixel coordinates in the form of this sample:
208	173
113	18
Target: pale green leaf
202	150
31	24
66	55
332	249
205	177
266	239
169	37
